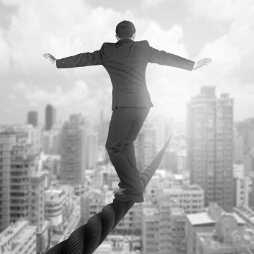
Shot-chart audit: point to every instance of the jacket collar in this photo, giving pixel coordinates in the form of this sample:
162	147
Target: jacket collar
124	40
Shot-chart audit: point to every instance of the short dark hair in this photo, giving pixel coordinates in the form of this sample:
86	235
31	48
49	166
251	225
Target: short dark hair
125	29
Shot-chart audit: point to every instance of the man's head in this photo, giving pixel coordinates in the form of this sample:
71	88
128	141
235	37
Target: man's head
125	29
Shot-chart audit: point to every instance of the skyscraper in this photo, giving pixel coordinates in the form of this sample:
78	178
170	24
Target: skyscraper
7	141
32	118
17	185
145	145
50	117
210	145
73	155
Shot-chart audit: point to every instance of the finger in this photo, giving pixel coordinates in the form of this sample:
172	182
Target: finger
47	55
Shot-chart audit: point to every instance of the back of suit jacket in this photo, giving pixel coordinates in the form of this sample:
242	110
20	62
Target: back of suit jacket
126	62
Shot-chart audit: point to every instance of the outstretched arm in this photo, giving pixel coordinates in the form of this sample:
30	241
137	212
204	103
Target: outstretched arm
164	58
82	59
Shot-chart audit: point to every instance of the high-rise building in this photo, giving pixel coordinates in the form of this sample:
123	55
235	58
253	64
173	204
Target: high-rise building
26	134
32	118
241	191
145	145
150	230
22	191
163	228
18	238
246	130
36	209
210	145
73	154
238	148
37	199
7	141
51	141
17	163
226	238
189	197
92	149
50	117
178	228
208	223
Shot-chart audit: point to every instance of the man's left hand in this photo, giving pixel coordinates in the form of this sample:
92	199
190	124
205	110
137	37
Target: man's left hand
201	63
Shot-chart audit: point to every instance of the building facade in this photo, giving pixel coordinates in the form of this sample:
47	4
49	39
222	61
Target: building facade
210	145
73	155
18	238
32	118
145	145
50	117
208	222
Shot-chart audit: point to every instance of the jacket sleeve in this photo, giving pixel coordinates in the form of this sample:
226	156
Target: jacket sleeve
163	58
82	59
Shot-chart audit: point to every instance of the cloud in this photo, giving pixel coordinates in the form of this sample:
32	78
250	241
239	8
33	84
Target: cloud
151	4
78	99
232	67
35	95
233	52
168	40
66	28
217	10
4	54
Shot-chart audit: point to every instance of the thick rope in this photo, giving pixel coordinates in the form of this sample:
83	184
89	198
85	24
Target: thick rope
87	238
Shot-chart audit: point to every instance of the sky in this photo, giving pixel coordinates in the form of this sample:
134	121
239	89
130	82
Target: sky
222	30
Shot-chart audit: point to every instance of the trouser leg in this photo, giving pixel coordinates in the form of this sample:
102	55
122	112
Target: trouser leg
124	127
128	149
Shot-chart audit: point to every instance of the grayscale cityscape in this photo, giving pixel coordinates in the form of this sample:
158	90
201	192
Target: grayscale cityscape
54	177
56	173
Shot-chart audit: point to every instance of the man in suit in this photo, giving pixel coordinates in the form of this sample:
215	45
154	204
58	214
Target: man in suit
126	62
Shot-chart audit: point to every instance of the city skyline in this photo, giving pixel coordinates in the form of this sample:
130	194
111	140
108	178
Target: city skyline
175	217
222	31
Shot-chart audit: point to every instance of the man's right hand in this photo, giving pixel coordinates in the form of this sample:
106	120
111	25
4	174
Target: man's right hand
201	63
51	58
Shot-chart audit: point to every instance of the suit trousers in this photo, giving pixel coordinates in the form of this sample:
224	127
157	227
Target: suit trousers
124	127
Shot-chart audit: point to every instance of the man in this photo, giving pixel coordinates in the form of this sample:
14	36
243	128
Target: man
126	62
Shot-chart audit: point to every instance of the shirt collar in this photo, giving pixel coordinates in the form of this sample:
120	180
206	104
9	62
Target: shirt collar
124	40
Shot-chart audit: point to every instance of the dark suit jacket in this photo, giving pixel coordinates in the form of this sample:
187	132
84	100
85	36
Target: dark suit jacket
126	63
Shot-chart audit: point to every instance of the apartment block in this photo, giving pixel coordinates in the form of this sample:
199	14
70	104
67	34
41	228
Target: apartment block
205	222
241	191
73	158
58	204
178	227
18	238
189	197
150	230
17	162
210	145
227	237
163	227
